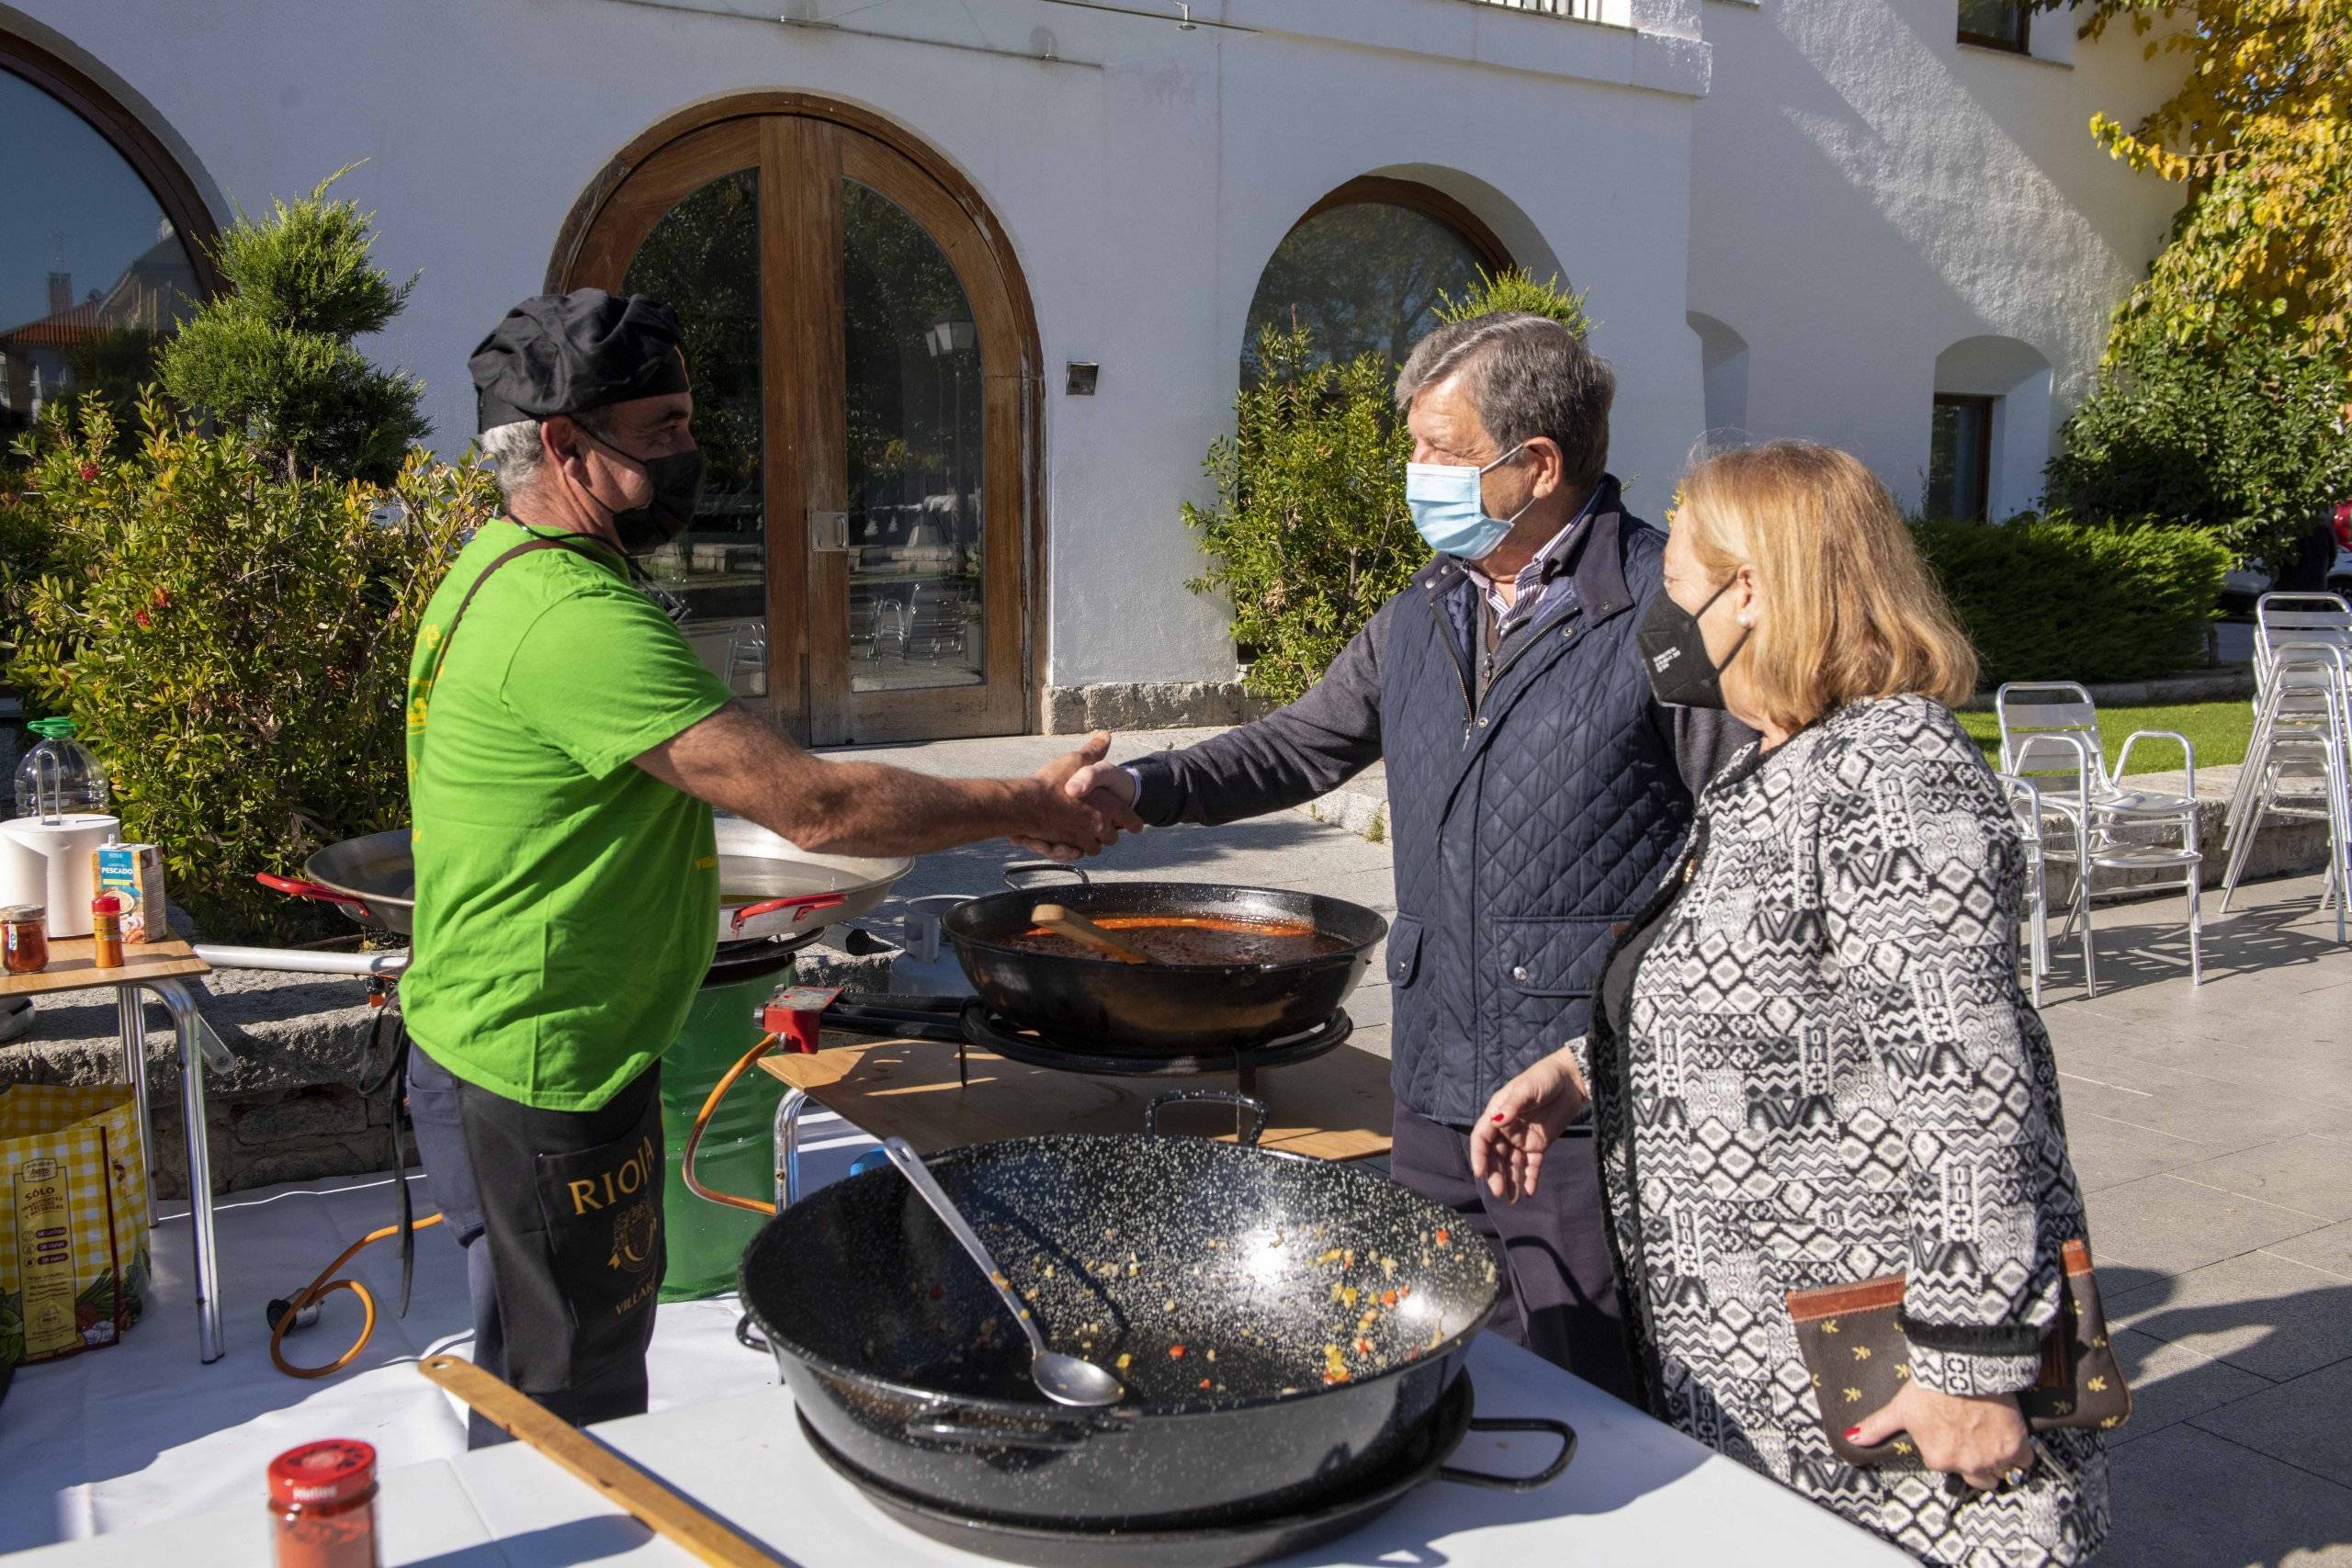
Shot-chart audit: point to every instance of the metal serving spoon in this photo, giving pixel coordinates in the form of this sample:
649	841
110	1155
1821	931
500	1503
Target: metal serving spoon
1066	1380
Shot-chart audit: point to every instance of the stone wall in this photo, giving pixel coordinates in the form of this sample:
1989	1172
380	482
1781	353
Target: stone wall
1148	705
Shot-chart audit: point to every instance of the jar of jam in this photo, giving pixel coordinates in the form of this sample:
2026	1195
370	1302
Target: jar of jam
106	930
24	933
323	1504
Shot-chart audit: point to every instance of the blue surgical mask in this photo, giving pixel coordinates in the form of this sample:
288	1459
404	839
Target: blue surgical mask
1450	512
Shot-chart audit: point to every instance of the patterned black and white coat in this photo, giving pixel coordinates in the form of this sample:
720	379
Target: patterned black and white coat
1830	1074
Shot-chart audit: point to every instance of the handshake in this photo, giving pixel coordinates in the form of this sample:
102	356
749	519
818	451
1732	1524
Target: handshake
1083	805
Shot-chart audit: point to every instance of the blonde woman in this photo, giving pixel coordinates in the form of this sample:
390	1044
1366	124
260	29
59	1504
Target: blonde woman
1810	1060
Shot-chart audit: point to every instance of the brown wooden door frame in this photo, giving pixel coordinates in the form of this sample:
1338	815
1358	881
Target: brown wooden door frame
802	147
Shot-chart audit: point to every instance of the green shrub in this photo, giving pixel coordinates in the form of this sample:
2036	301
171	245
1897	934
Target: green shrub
1309	533
273	358
1512	289
2240	437
2048	600
232	643
226	611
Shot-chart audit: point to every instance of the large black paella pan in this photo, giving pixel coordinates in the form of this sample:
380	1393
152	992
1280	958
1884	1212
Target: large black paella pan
1285	1326
1234	967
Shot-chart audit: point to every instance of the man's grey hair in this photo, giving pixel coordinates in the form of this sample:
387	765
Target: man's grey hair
513	451
516	451
1527	376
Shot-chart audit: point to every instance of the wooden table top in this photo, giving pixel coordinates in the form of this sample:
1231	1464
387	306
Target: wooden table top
1334	1107
70	968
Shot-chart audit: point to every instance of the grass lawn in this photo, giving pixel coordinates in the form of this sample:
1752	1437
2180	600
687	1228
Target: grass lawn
2219	730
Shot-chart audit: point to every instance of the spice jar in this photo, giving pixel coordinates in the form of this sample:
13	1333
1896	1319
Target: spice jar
106	930
24	933
323	1504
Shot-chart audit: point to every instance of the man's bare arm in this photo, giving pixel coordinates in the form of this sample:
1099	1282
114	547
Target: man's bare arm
735	761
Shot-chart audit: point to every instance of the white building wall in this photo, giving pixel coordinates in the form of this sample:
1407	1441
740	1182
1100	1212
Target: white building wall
1143	177
1795	217
1869	193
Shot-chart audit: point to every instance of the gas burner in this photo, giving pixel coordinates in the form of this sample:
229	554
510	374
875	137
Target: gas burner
734	962
992	1032
963	1021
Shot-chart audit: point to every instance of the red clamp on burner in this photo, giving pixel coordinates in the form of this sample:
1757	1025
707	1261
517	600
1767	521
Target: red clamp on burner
792	1015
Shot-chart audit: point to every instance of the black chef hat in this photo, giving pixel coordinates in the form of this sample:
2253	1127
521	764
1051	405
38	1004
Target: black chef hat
569	352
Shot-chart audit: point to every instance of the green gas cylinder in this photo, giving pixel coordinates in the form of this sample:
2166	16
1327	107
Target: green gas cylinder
738	1152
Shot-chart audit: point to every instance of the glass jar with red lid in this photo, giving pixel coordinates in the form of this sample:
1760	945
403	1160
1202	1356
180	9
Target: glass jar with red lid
323	1504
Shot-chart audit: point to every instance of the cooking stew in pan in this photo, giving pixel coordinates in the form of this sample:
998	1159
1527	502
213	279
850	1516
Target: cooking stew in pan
1197	940
1230	967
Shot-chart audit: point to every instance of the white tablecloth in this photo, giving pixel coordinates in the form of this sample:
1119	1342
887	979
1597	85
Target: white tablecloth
1639	1495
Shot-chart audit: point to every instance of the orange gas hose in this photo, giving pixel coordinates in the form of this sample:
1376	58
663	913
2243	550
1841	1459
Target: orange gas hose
323	1287
702	1120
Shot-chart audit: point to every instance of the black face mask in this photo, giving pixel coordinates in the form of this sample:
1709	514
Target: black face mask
1674	652
677	491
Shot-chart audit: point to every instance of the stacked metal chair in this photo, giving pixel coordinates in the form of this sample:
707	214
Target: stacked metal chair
2050	738
2025	802
2298	763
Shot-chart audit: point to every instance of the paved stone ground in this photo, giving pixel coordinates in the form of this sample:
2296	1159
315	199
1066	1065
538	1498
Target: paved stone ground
2211	1127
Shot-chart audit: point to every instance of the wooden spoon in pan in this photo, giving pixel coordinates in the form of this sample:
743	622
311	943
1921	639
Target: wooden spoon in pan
1078	929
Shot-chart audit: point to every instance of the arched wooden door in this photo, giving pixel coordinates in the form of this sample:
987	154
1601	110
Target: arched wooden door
860	358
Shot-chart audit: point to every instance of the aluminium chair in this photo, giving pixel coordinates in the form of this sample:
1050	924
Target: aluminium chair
2299	760
2089	818
2024	803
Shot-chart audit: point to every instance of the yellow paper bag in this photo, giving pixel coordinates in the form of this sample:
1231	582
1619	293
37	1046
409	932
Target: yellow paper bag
74	1264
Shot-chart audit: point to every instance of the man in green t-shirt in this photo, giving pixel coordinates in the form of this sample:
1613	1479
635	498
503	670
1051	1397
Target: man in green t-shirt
565	748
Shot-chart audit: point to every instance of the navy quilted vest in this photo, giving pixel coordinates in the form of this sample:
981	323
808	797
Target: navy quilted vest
1525	828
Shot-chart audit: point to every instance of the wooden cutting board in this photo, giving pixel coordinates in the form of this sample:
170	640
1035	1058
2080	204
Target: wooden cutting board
1335	1107
71	969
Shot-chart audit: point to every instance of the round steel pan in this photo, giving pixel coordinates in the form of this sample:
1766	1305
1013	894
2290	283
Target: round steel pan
1163	1009
768	885
903	1361
1222	1541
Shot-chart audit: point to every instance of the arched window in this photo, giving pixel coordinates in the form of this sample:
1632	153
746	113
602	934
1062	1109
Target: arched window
105	245
1365	269
1992	429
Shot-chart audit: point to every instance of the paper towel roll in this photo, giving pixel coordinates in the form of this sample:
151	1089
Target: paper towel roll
24	872
71	880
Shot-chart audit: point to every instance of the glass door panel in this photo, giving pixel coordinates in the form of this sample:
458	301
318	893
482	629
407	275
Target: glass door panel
861	385
703	257
917	611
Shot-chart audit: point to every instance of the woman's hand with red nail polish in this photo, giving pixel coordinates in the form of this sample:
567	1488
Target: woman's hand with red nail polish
1523	1119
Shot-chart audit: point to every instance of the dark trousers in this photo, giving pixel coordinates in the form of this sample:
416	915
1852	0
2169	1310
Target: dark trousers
609	1381
1560	1288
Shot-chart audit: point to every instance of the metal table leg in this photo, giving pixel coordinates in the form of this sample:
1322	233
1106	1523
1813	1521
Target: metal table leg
787	1148
130	1016
189	1025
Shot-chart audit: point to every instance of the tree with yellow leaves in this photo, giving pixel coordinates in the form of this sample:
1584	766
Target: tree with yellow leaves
2224	401
2260	132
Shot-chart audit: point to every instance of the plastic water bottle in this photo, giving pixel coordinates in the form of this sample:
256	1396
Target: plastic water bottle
59	777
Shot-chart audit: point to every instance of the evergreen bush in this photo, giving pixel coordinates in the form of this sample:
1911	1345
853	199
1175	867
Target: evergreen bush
2240	437
273	358
226	612
1309	533
2047	601
1516	290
